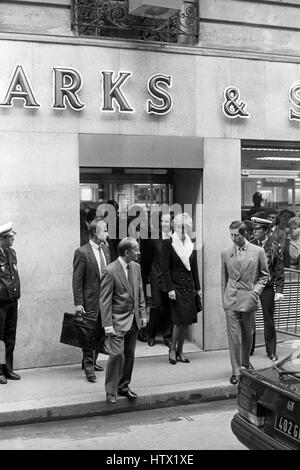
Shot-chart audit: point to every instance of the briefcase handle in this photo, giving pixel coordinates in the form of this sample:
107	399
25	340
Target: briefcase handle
79	317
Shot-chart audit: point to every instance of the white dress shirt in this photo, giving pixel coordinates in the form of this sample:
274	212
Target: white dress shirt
97	254
124	266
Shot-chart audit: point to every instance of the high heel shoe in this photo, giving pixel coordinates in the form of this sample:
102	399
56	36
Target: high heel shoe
182	359
171	360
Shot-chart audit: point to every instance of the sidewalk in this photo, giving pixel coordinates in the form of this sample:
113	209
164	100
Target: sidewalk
60	392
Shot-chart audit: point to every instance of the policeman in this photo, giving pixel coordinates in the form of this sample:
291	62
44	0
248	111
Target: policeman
9	295
261	232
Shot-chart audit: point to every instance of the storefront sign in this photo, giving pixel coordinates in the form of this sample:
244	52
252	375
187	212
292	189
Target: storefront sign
271	182
232	106
67	83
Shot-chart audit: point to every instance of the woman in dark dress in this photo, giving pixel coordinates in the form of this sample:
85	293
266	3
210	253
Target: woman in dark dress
181	281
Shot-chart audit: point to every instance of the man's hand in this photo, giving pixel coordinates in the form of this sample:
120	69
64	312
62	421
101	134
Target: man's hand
278	296
109	331
79	309
172	295
143	322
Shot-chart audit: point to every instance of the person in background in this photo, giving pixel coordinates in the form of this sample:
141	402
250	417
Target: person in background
262	237
123	313
160	315
244	274
88	263
85	220
181	282
283	219
275	234
9	295
291	252
257	207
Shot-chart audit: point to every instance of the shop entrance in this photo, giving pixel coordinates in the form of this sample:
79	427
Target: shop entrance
147	189
270	178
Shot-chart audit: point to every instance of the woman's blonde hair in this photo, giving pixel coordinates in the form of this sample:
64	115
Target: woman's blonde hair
183	219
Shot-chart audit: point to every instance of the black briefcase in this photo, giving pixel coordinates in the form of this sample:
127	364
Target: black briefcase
78	331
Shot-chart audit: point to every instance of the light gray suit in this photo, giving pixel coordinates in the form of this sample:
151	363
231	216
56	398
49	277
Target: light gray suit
241	284
122	309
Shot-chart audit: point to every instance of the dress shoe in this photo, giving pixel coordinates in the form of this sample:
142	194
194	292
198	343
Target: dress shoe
181	358
273	357
233	379
128	393
151	341
111	398
98	368
91	377
142	337
3	380
172	358
249	367
12	376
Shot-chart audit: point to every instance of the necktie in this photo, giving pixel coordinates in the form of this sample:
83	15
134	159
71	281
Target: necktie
102	259
130	279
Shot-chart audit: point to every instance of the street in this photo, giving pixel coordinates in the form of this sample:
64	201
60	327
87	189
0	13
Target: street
204	426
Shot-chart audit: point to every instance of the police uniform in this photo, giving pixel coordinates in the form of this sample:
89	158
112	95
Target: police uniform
9	295
274	254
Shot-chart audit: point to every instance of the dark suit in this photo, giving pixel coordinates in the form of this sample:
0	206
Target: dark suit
123	309
160	315
9	295
275	265
86	292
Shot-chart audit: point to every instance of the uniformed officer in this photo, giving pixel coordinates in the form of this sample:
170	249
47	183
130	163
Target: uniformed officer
9	295
261	232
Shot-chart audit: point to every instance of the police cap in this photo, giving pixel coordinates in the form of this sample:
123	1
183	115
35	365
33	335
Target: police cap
6	230
260	223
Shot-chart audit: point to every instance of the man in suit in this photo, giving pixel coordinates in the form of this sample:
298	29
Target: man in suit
160	315
123	313
88	264
263	238
244	275
9	295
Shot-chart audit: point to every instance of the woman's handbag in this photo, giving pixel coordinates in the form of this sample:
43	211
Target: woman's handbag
198	302
78	331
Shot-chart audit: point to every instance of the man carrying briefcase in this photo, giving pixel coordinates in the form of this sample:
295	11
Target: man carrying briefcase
89	261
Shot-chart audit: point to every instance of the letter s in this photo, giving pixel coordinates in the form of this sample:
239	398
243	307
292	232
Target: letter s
160	94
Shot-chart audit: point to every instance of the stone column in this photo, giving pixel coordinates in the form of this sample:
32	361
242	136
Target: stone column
221	205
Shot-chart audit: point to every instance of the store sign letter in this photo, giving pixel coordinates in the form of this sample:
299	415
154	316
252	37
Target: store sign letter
19	88
160	94
112	91
294	96
232	106
66	84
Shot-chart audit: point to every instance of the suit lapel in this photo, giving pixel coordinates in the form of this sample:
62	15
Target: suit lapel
246	260
92	258
122	276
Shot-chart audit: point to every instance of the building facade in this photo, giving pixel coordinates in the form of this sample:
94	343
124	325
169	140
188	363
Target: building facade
86	117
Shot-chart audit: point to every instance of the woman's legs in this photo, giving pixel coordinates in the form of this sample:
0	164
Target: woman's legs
175	336
181	337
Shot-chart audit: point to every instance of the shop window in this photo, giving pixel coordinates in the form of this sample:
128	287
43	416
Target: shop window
273	170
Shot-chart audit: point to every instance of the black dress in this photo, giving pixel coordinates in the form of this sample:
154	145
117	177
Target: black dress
185	283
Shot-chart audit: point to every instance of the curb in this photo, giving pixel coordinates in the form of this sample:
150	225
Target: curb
39	412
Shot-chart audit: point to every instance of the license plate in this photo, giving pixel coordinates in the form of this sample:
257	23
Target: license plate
288	427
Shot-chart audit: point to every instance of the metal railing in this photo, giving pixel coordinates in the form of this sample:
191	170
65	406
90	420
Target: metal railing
287	311
111	19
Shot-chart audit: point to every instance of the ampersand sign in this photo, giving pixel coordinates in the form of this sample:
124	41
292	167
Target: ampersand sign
232	107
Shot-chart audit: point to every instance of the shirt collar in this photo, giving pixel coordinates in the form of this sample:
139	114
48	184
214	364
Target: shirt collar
94	245
123	262
244	247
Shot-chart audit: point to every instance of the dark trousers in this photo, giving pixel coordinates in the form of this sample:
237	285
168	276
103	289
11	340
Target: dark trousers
160	315
8	328
89	355
121	360
267	303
